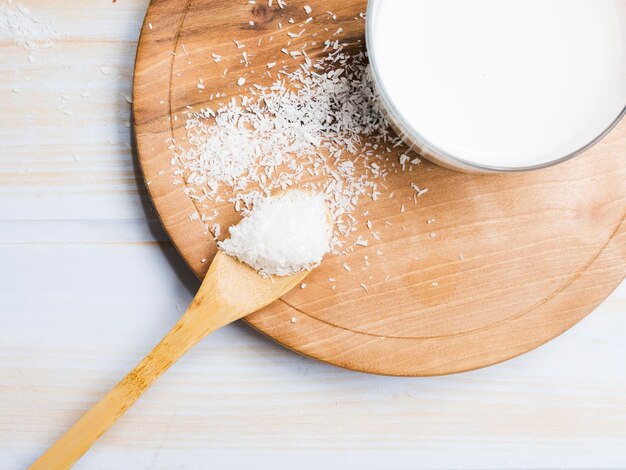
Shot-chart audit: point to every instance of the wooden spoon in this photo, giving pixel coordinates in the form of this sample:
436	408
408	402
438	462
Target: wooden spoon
230	291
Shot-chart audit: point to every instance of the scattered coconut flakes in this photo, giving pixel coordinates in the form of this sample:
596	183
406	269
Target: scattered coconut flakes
317	128
361	241
216	230
28	31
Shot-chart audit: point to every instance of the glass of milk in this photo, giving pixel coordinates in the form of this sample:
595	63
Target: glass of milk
499	85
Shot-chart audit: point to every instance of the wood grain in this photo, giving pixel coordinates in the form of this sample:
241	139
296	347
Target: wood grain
510	262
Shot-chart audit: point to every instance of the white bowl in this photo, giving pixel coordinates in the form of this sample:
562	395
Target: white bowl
420	139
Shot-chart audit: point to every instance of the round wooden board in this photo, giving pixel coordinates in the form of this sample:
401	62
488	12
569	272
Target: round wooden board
508	263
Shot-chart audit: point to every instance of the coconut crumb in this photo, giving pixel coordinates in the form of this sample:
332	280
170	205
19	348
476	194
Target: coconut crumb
282	235
318	127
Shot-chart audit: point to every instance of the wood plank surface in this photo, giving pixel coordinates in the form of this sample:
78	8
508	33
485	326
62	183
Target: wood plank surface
77	233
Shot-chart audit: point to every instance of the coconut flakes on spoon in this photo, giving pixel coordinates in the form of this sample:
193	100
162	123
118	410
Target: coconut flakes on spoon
282	235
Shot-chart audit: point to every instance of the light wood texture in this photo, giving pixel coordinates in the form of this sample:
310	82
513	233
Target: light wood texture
229	292
508	262
82	233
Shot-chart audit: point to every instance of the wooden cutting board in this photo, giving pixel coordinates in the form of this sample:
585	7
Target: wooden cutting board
480	270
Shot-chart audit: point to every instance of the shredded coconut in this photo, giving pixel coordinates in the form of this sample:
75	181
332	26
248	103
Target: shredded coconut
30	32
327	136
316	127
283	235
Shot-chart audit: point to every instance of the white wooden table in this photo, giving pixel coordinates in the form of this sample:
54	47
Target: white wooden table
89	282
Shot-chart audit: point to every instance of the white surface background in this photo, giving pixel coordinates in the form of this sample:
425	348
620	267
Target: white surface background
89	283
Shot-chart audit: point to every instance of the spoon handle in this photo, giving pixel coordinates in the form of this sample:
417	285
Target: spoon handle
200	319
230	291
